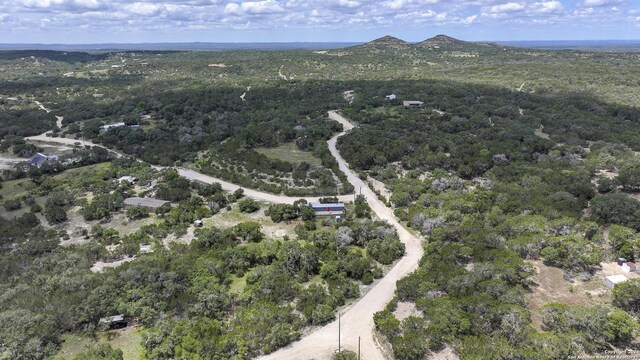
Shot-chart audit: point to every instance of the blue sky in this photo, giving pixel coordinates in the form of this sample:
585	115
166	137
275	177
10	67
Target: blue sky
99	21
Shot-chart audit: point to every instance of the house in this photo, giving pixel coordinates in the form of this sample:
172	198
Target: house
629	267
198	223
40	158
149	203
412	104
112	126
612	280
112	322
129	179
391	97
145	249
327	209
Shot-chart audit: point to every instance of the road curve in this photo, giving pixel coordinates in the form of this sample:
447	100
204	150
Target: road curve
357	320
194	175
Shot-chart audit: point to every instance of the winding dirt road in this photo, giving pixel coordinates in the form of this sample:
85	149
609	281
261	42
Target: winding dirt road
194	175
357	320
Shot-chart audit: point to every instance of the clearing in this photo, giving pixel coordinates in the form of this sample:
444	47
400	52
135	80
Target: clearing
225	219
550	286
289	152
129	340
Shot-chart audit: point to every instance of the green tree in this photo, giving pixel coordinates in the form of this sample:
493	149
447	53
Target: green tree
248	205
626	295
137	212
55	214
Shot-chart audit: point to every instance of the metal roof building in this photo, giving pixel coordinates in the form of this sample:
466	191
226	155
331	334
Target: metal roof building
612	280
149	203
327	209
412	104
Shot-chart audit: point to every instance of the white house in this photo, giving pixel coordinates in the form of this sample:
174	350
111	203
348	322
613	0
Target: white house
129	179
391	97
112	126
412	104
613	280
628	267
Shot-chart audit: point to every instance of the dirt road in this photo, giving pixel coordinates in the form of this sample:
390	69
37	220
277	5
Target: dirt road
357	320
258	195
194	175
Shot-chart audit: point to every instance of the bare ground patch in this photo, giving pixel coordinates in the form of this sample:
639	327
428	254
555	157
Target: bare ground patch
405	309
101	265
550	286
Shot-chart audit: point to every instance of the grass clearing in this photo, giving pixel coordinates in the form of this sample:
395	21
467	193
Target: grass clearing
129	340
550	286
226	219
15	188
290	152
238	283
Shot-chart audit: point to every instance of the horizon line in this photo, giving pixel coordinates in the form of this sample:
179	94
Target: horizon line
291	42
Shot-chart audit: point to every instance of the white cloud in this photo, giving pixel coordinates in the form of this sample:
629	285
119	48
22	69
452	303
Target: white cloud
145	9
506	8
232	8
597	3
349	3
261	7
469	20
547	7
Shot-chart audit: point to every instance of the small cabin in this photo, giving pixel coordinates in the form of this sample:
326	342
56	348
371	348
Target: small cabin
129	179
112	126
391	97
612	280
412	104
332	209
198	223
145	249
629	266
112	322
40	158
149	203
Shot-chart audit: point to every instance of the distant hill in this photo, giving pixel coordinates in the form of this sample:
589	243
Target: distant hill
448	41
437	42
386	42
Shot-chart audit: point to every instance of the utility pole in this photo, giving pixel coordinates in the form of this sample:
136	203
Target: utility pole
358	347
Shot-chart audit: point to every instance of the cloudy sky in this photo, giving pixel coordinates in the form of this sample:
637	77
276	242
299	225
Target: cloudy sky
99	21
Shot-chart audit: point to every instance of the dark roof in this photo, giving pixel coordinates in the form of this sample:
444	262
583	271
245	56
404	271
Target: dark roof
318	205
39	159
145	202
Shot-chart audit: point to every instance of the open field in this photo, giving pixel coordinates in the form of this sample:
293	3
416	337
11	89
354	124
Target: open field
550	286
128	340
289	152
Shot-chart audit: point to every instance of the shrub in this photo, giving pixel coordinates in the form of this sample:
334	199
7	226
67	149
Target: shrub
248	205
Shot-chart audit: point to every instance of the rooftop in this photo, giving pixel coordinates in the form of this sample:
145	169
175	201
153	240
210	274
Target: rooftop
146	202
616	278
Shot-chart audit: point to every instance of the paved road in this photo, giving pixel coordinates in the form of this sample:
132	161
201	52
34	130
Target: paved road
357	320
